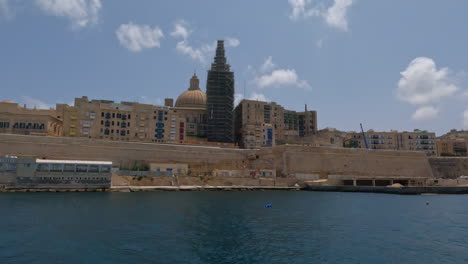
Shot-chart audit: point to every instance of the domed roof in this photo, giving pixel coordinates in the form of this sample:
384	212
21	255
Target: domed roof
194	97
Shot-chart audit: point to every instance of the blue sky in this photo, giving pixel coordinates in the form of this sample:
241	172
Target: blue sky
388	64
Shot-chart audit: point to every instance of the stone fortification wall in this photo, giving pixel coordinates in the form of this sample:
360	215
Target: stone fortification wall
343	161
123	154
449	167
287	160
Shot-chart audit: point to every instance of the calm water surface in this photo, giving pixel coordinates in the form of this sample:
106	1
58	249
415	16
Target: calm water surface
232	227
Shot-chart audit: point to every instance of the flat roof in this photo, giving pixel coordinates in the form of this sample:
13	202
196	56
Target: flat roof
74	162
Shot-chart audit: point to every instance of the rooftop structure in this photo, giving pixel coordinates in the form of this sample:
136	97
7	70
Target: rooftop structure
194	97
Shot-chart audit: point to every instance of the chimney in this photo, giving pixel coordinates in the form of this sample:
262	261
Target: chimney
169	102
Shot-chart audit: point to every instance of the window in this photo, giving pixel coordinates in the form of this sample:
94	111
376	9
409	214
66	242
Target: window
93	168
56	167
113	115
42	167
81	168
105	168
69	167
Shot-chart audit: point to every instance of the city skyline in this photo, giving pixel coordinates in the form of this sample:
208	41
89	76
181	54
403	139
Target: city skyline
334	56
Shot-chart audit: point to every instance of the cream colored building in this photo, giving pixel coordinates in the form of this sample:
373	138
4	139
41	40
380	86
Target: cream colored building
15	119
125	121
418	140
452	147
263	124
130	121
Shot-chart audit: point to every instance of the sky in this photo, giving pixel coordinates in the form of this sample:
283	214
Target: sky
386	64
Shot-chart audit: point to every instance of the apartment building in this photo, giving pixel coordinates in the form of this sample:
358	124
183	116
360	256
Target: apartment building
418	140
262	124
125	121
15	119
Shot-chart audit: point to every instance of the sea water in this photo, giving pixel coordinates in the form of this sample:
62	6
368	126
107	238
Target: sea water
232	227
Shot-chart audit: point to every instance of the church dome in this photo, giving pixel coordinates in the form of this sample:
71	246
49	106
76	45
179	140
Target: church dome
194	97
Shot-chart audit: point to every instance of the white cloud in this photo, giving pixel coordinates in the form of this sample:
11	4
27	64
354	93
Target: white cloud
35	103
422	83
138	37
425	113
465	119
259	97
81	12
181	30
200	54
232	42
334	16
281	77
237	98
6	11
300	9
268	65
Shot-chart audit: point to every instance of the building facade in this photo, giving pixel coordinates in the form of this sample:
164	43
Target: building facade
452	147
418	140
264	124
191	107
184	123
42	173
15	119
125	121
220	99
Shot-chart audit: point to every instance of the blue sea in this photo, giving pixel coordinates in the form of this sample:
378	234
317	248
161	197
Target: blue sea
232	227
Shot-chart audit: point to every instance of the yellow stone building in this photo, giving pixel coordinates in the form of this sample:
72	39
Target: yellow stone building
418	140
184	123
452	147
15	119
264	124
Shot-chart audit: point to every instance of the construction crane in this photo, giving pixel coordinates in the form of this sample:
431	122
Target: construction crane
364	136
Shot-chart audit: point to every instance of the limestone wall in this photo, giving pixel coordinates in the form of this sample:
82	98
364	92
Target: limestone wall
449	167
286	160
343	161
201	159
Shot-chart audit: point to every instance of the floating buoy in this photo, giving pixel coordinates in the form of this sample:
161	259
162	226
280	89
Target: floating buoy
267	205
427	203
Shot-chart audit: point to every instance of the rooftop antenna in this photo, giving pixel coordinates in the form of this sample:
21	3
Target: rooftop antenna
245	85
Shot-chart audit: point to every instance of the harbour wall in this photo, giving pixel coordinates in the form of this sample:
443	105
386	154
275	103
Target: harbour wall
449	167
286	160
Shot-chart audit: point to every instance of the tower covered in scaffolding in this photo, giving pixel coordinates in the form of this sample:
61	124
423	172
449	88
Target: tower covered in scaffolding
220	99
